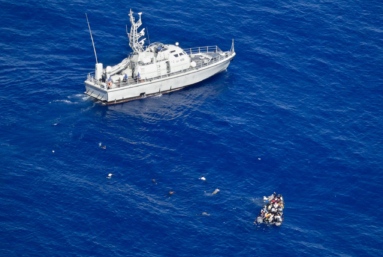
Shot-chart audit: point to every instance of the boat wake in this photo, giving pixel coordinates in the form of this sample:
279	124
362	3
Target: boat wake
63	101
78	96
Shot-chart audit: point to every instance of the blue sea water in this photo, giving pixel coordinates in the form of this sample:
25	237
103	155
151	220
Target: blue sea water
298	111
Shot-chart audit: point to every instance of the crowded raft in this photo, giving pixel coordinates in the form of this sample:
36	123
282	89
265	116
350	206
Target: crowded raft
272	211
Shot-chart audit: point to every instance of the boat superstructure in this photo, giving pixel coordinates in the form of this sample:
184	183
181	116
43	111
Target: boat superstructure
154	69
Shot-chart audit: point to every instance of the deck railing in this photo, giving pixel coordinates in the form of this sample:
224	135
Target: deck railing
206	49
92	79
203	49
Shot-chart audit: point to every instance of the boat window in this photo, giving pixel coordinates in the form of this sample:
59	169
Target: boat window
172	51
181	54
176	55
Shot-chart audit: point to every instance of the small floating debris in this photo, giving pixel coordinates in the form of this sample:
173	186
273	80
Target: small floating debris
109	176
216	191
154	181
102	147
272	212
202	178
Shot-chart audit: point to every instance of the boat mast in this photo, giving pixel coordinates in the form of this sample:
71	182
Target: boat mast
137	46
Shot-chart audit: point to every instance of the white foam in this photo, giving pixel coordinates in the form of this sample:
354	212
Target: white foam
82	96
65	101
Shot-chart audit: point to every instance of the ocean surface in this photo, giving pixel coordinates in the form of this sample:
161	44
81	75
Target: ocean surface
299	111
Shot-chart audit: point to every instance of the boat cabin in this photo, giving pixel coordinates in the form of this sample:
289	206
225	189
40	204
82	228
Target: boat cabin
159	59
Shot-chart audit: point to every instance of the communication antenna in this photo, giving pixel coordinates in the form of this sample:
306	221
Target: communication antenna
94	48
148	34
127	33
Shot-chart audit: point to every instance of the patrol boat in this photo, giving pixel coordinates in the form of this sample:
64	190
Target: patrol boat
154	69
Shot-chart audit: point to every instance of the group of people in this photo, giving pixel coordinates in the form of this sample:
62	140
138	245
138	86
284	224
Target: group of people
125	79
272	211
110	82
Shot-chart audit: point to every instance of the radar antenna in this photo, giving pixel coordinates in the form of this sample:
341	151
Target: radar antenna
134	36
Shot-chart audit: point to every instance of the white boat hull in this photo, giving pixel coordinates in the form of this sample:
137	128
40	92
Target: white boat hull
155	87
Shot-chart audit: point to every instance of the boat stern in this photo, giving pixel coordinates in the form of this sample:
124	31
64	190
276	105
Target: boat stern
95	91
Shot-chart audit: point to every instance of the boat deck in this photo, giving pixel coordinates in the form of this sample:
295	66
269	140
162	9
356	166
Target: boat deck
202	56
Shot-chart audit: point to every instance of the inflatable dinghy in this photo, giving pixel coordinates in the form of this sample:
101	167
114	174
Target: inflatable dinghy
272	212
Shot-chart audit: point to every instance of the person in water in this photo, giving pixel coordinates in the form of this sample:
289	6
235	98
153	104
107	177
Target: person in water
216	191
